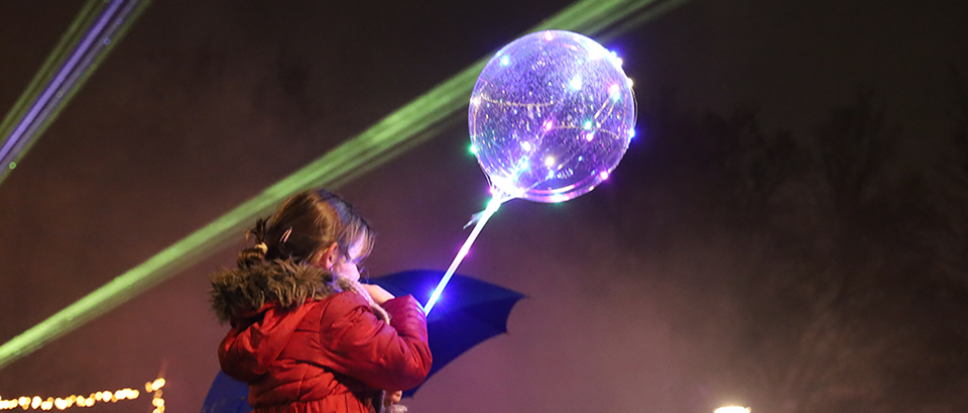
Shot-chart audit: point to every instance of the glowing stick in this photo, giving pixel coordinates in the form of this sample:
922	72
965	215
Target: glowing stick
492	207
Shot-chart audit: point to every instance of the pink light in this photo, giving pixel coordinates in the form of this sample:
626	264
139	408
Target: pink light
603	175
548	125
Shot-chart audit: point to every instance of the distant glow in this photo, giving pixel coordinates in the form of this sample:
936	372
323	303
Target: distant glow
631	83
472	149
558	198
587	125
732	409
631	133
13	165
548	125
548	36
603	175
505	60
549	161
590	136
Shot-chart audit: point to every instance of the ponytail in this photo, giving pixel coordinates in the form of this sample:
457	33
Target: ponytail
303	225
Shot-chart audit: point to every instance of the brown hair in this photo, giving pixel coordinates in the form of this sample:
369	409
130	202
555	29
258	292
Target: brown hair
305	224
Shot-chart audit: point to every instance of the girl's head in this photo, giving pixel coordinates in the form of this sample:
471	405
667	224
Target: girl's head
315	227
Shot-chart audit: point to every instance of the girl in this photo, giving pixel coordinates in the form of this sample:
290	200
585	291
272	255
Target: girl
306	335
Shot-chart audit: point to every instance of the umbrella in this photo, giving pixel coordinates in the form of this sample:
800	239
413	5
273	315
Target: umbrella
227	395
469	312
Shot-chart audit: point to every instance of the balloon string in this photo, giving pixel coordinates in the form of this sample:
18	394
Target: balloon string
481	218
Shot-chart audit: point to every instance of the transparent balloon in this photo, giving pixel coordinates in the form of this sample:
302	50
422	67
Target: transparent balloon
551	116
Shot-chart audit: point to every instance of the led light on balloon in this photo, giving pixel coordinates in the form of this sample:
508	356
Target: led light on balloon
596	100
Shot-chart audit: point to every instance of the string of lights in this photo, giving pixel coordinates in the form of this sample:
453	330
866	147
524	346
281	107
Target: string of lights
64	403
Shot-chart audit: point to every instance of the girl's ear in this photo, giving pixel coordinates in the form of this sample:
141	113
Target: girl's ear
326	258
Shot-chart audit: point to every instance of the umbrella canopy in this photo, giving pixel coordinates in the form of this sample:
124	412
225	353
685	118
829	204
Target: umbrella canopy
227	395
469	312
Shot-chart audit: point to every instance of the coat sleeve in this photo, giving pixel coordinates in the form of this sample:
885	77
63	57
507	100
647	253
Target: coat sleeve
393	356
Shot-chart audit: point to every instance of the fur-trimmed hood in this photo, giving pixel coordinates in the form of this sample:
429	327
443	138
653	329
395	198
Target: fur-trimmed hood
238	292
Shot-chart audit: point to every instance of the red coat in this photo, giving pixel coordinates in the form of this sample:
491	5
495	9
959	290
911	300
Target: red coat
326	355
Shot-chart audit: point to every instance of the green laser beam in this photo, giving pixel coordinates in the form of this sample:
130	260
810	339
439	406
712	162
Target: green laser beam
66	49
388	138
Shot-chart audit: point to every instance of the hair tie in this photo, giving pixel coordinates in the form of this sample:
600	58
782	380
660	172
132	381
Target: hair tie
285	236
262	247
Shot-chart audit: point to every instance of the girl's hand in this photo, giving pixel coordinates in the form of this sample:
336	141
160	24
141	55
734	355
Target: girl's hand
378	294
392	398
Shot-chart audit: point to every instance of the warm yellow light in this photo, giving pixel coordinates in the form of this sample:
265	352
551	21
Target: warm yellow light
37	403
732	409
157	384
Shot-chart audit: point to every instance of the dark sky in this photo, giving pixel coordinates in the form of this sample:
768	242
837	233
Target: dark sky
205	103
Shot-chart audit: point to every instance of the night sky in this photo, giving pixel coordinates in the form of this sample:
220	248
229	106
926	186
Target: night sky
205	103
